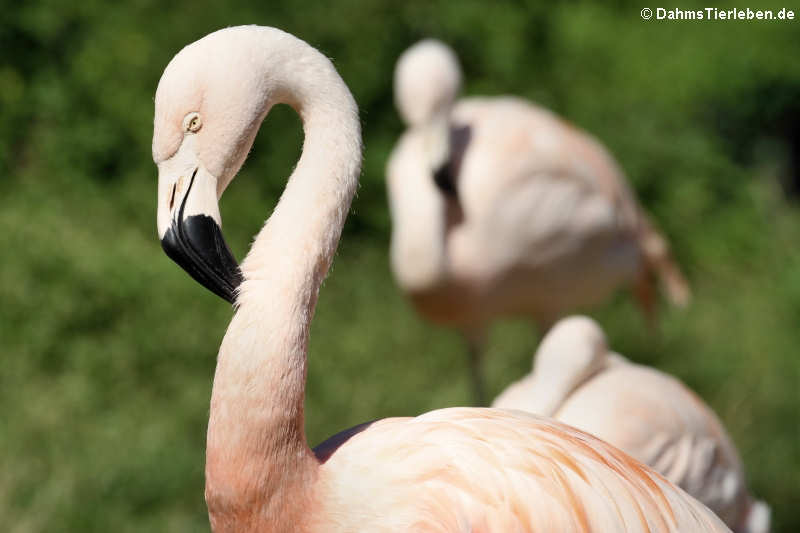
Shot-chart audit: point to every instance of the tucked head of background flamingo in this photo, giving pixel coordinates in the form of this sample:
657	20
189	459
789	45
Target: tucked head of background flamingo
427	79
572	351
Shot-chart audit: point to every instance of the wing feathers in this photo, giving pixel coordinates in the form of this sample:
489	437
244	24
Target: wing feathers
467	469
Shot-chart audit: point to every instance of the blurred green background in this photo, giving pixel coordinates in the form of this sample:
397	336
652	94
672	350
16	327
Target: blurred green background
108	348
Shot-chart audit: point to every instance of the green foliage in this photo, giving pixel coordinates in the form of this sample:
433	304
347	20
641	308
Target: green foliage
108	348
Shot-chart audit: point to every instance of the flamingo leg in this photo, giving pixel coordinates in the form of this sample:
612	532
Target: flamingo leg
476	345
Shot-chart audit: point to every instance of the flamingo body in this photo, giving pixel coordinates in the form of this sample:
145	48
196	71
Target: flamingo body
648	414
535	220
470	469
454	470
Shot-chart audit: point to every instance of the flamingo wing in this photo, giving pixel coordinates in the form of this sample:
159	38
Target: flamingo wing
465	469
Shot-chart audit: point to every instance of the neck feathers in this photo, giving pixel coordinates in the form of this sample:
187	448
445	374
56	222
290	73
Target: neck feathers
257	451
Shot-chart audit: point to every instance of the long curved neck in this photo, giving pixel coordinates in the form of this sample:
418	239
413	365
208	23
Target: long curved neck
419	212
555	379
259	466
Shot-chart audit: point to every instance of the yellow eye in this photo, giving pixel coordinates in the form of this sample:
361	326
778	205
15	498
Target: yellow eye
192	122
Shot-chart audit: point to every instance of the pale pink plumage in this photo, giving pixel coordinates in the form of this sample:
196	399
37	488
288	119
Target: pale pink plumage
649	414
469	469
541	221
454	470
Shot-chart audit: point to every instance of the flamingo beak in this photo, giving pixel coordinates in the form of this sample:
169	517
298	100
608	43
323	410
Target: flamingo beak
443	178
436	138
191	236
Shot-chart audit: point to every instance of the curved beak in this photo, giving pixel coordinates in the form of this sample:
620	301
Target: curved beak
436	139
191	236
444	180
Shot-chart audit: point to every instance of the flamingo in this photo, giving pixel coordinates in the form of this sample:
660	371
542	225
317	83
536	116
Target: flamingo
499	207
648	414
450	470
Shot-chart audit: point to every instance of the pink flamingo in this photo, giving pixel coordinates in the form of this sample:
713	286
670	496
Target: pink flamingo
453	470
499	207
651	415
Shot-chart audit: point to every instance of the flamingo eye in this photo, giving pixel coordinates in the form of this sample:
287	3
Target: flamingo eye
192	122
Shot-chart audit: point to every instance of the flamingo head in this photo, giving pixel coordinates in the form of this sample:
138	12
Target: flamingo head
572	352
576	344
427	79
208	107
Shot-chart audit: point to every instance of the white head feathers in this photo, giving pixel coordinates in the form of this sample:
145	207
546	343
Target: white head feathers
427	79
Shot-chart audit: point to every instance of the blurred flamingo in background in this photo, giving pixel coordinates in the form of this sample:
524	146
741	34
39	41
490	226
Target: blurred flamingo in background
651	415
449	470
499	207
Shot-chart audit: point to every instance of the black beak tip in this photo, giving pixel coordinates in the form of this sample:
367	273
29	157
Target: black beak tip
444	180
196	244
